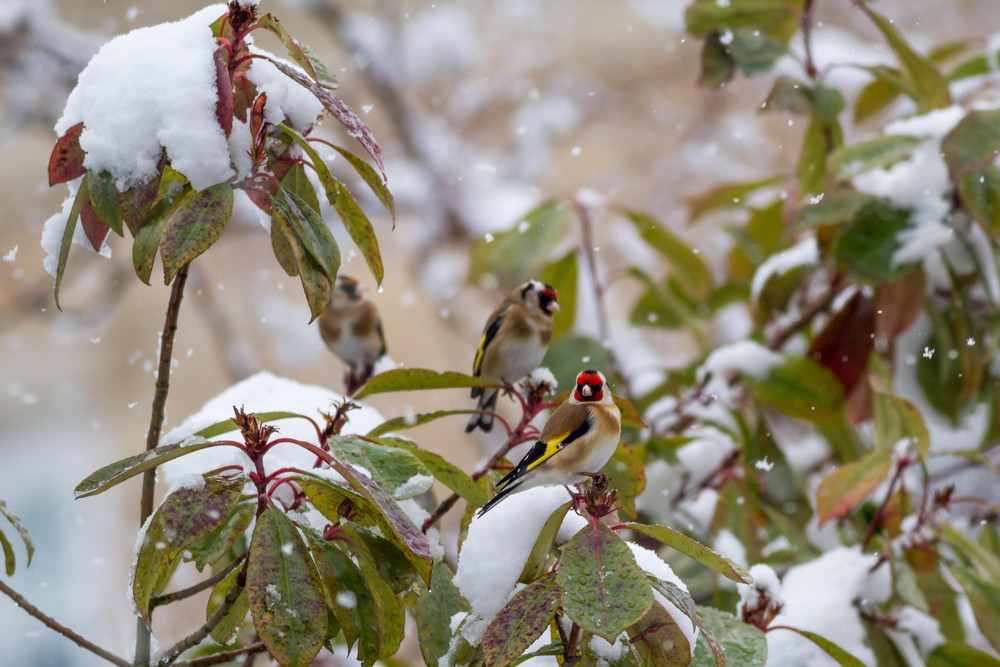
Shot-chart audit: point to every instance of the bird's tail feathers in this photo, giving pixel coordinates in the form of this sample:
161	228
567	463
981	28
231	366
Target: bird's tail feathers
487	401
501	494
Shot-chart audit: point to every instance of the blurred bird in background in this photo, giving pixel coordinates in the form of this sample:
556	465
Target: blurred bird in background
577	441
513	343
351	328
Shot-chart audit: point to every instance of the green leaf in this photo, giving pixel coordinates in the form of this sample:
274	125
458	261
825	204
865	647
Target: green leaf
657	307
849	161
293	255
627	475
843	489
434	610
744	644
832	210
392	564
390	607
717	63
411	379
8	554
811	167
445	472
21	530
537	563
929	89
689	268
800	388
145	247
519	254
771	16
984	598
659	640
971	552
136	203
292	45
843	658
67	237
307	225
371	179
869	246
521	621
897	418
286	597
755	51
195	222
225	631
562	275
874	97
604	590
694	550
227	425
220	541
184	517
104	199
955	654
572	353
973	143
116	473
397	471
412	421
725	196
792	95
360	228
980	193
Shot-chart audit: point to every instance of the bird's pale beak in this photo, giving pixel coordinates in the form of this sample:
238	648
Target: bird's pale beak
554	305
586	391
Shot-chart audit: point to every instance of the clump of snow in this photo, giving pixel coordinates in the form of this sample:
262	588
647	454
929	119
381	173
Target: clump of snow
804	253
150	89
650	563
12	255
819	596
765	585
747	357
541	376
55	226
925	628
262	392
413	487
285	98
498	545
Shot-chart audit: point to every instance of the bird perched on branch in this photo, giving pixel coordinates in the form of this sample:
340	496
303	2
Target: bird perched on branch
351	328
513	343
577	440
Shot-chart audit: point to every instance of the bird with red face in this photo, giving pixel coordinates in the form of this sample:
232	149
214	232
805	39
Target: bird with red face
577	441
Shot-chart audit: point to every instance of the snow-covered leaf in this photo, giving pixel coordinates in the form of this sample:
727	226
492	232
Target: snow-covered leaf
443	470
771	16
843	658
973	143
849	161
397	471
725	196
286	597
604	590
104	200
744	644
521	621
868	247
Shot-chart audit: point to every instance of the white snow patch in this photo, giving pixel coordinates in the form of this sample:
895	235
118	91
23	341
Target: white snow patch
543	375
652	564
765	583
413	487
925	628
149	89
11	255
747	357
804	253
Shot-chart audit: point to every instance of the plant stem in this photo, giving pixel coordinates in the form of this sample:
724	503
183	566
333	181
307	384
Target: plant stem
142	632
161	600
810	64
58	627
195	637
223	656
880	512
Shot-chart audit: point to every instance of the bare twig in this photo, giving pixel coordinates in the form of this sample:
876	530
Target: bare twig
59	627
223	656
197	588
198	635
142	633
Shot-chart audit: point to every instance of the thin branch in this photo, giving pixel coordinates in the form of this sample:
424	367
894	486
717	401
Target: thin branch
59	627
198	635
810	64
142	632
223	656
880	512
197	588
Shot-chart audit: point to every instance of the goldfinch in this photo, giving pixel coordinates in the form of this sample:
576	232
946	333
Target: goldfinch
351	328
578	439
513	343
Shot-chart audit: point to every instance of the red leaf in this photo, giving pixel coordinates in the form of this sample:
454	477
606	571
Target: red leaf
224	87
846	341
244	95
66	161
92	225
257	116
